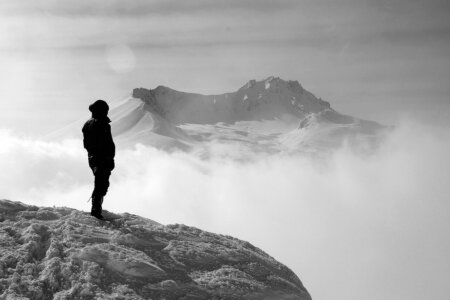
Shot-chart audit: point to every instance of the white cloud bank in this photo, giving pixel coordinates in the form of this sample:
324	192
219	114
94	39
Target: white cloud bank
351	227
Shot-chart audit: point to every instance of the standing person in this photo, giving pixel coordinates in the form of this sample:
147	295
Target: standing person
98	141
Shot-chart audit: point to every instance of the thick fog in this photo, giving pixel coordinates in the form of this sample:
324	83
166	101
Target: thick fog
352	226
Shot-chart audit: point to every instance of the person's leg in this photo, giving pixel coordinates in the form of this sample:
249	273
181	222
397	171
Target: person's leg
101	188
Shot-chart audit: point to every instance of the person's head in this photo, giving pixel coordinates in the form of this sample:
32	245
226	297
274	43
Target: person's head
99	108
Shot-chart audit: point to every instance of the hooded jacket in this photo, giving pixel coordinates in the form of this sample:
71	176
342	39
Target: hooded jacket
97	138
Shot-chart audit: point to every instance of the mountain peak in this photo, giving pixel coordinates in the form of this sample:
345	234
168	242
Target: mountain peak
274	84
56	253
270	98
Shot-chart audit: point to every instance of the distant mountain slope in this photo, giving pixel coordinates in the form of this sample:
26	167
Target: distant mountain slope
134	121
62	253
271	115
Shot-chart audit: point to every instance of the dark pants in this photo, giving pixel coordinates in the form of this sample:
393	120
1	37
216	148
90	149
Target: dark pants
101	184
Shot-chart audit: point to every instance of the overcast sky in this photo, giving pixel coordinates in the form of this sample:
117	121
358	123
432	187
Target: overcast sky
376	226
374	59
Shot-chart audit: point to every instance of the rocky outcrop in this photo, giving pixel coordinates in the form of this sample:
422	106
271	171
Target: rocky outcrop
62	253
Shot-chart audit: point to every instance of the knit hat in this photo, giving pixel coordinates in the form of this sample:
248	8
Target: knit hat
99	107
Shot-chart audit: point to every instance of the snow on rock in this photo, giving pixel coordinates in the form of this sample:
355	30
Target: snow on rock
62	253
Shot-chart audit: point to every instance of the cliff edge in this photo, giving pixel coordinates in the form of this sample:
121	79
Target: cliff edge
63	253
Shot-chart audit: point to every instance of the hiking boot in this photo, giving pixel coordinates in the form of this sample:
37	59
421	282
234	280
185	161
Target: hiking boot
96	210
98	215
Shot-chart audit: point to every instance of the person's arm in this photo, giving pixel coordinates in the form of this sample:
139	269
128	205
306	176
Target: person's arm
92	138
110	143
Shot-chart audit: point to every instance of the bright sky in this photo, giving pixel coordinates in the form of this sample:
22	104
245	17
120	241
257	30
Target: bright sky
375	59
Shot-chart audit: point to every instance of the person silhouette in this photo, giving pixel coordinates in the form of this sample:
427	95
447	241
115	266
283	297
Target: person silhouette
98	142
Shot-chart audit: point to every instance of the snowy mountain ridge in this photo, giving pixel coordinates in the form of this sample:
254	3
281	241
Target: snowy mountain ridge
271	116
256	100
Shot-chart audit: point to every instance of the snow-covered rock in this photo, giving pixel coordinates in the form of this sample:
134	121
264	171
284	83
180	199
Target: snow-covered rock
62	253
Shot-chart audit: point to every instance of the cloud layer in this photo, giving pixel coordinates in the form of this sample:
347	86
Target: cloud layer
351	226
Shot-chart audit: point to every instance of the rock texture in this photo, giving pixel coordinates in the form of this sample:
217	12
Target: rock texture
62	253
